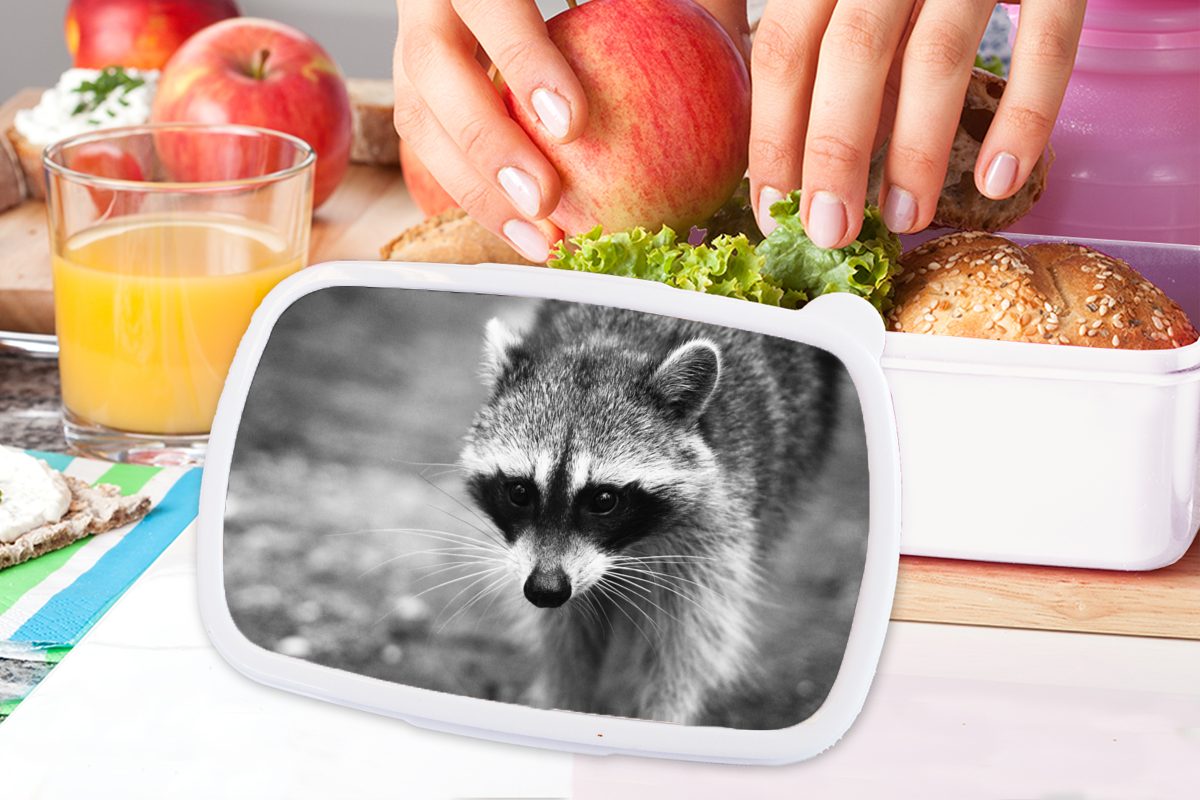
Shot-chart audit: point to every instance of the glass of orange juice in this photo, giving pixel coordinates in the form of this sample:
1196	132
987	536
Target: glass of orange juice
164	238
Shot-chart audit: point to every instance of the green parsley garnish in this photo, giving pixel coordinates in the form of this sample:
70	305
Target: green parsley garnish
111	79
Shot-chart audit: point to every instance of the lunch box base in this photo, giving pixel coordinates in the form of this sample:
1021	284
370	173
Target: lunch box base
1053	455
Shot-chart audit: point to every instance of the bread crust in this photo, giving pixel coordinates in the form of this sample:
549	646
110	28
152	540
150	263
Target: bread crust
375	140
960	205
12	176
451	238
93	510
977	285
29	155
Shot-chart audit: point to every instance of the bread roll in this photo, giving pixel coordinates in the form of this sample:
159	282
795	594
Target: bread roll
12	176
451	238
375	140
960	205
29	155
985	287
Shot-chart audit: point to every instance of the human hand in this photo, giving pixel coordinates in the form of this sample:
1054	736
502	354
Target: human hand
449	112
833	78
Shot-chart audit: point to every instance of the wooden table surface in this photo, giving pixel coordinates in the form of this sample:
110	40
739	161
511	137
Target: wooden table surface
372	206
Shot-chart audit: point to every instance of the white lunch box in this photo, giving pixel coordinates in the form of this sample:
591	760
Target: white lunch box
1065	456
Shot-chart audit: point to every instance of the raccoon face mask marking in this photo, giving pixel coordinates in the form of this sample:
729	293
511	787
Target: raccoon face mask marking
582	451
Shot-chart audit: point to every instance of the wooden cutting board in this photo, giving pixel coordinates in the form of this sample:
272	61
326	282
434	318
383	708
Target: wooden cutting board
369	209
1164	602
372	206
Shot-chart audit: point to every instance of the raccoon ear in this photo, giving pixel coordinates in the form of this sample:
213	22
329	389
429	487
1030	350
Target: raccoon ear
687	378
499	342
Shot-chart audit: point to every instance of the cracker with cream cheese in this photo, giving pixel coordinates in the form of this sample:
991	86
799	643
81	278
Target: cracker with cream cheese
93	510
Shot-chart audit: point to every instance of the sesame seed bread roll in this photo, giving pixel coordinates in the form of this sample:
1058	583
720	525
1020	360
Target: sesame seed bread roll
985	287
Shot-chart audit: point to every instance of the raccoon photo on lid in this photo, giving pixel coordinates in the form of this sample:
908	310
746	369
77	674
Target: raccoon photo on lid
561	505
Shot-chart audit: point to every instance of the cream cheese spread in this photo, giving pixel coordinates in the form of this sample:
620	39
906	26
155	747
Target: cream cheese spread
31	494
87	100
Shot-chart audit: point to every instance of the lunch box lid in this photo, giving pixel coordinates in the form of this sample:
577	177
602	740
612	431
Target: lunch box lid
846	326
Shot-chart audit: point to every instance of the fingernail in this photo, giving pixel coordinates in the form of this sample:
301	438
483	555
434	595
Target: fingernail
553	111
826	219
899	210
767	197
1001	175
522	189
528	240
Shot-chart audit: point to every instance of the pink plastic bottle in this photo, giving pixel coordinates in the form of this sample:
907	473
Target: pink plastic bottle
1128	136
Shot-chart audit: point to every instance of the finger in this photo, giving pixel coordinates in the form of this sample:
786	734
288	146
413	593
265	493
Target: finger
856	54
475	195
514	37
783	62
936	67
438	60
1042	60
891	86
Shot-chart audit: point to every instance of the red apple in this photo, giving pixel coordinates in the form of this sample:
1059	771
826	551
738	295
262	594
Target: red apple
137	33
428	194
107	160
263	73
668	115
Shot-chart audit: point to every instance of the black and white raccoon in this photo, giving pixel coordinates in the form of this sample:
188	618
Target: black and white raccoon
639	468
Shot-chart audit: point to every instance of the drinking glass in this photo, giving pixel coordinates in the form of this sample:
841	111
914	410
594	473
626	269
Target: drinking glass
164	238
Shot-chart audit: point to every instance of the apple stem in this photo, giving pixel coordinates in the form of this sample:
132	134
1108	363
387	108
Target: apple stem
259	70
572	3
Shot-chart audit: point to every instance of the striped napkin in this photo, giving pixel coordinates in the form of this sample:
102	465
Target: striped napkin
49	602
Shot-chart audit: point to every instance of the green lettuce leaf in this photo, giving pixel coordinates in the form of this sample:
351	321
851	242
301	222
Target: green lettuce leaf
864	267
726	266
786	269
992	64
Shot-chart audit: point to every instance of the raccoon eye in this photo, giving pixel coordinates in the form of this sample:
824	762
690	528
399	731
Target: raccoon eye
519	493
604	501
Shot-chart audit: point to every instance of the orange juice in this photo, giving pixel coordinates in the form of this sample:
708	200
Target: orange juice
149	312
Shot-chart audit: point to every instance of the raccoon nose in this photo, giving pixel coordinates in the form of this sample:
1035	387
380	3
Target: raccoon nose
547	588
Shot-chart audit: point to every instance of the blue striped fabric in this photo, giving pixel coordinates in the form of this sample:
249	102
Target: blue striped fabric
68	615
58	461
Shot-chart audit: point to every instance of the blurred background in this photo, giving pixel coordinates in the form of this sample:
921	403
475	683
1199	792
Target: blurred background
359	34
346	516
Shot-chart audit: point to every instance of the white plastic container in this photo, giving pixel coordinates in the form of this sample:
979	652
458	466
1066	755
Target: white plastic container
1058	455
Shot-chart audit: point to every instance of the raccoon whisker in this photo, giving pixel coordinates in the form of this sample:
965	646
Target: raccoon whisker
454	537
450	536
460	553
647	597
664	586
382	564
493	536
615	596
461	558
669	577
443	473
469	509
425	463
618	601
664	559
592	611
493	582
457	579
491	589
488	608
463	564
